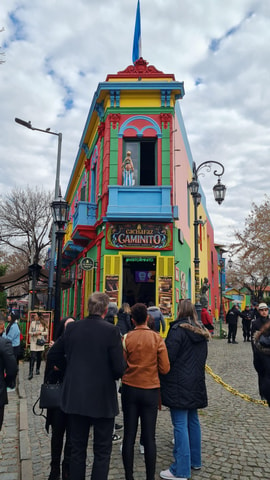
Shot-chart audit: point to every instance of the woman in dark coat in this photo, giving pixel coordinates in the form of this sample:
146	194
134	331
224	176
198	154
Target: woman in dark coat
56	418
183	389
124	319
261	352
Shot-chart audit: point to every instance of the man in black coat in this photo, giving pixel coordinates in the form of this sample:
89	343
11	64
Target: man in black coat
8	369
232	319
94	357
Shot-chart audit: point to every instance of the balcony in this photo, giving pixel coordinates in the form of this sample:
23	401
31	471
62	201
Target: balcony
151	203
84	219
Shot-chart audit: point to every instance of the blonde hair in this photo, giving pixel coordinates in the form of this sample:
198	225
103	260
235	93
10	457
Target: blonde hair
126	308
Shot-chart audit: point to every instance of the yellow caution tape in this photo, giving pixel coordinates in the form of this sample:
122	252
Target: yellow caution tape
232	390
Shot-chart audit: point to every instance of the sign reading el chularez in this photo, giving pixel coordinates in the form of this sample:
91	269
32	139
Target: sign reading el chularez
142	236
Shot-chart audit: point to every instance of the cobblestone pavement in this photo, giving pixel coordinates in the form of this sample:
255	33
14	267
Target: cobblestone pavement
235	433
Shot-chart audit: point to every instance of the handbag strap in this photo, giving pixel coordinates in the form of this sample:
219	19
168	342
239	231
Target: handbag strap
41	410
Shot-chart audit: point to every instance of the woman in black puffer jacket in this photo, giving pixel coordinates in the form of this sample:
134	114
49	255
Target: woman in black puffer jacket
183	389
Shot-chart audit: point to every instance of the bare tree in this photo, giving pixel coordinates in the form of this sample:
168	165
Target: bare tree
252	249
25	217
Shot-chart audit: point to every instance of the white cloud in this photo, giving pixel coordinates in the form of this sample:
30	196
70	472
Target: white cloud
57	52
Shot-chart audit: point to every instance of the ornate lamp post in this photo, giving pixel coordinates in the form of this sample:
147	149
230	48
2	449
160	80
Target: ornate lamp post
60	217
219	194
221	271
56	190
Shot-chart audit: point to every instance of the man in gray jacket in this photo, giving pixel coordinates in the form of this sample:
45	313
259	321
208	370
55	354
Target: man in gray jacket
157	316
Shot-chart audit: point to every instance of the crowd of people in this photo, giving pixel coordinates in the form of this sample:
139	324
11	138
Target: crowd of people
115	351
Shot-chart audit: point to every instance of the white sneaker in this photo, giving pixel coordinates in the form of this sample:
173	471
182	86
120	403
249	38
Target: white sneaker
167	474
141	447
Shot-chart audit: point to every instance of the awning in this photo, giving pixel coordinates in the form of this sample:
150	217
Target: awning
17	278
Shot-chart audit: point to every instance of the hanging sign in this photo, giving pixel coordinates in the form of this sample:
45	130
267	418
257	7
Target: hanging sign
87	263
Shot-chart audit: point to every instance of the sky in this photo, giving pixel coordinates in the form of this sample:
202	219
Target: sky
56	52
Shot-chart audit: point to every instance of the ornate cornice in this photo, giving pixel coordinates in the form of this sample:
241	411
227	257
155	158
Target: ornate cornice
141	69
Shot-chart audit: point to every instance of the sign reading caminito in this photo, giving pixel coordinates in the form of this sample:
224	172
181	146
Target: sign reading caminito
143	236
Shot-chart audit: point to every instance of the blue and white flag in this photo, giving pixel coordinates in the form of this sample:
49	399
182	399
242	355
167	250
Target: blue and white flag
137	45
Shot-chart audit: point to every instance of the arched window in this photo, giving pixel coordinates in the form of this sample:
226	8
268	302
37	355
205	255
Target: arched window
140	135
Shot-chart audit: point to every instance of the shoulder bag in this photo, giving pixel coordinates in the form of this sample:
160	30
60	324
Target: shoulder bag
50	395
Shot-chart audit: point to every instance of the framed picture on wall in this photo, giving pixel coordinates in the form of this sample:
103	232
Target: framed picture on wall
112	287
177	274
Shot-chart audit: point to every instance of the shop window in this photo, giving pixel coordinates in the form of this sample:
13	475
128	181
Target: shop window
143	155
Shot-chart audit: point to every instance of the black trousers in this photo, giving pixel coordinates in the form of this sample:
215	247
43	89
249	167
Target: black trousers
246	328
232	332
139	403
60	427
35	356
1	415
79	433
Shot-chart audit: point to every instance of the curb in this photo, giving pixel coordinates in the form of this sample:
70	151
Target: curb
24	441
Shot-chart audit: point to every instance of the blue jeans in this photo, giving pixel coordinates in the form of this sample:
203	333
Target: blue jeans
187	442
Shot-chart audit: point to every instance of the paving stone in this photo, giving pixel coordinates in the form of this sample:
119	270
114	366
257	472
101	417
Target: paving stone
235	433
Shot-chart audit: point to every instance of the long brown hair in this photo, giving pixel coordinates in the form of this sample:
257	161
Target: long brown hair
186	309
42	320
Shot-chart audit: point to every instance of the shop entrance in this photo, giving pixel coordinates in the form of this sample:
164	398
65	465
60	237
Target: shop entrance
139	279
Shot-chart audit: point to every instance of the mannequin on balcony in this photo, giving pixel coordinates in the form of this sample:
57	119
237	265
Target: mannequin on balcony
128	169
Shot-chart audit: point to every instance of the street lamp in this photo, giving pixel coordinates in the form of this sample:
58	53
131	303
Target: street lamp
56	190
219	194
60	218
221	270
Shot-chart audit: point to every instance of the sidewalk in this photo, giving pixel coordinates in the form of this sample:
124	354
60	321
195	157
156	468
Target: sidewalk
235	432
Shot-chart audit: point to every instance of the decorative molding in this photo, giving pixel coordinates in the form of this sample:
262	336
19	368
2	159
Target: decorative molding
99	107
149	123
87	164
101	129
115	119
165	118
141	69
85	149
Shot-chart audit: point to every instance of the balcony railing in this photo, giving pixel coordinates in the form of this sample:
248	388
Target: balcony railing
140	202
